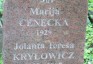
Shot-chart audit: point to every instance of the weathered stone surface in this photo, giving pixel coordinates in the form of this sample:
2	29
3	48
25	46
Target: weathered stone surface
1	40
44	31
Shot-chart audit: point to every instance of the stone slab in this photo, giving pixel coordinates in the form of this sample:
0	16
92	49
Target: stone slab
44	31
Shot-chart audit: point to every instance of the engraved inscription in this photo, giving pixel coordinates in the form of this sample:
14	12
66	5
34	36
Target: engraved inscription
41	45
43	32
47	1
43	56
43	22
44	12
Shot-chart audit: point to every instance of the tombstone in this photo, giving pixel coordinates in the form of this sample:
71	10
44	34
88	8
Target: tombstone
44	31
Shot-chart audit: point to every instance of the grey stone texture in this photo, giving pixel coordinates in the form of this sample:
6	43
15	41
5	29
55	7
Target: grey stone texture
1	40
44	31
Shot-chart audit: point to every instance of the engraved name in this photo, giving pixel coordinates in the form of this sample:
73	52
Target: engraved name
43	56
44	12
41	45
42	22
